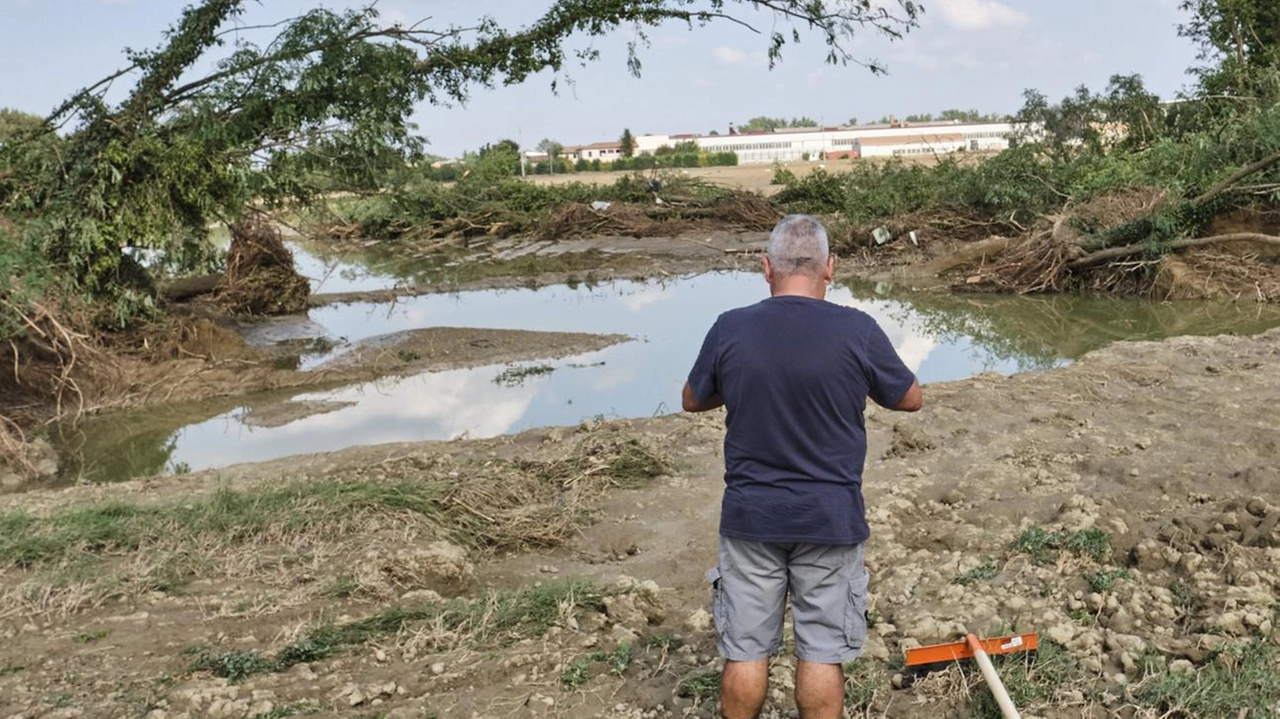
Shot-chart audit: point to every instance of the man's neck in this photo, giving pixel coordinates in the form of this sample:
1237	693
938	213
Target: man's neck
803	288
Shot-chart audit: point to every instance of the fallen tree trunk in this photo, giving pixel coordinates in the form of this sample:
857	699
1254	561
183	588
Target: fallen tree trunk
184	288
1236	177
969	254
1104	256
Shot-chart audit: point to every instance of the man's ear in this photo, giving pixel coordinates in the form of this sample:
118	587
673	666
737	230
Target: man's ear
768	268
831	268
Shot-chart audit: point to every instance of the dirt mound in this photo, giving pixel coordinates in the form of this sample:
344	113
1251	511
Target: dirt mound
261	278
1217	275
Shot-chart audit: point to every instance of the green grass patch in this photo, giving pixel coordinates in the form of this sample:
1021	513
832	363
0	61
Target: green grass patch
576	673
619	659
702	685
8	669
1104	580
981	573
498	619
661	640
1185	597
343	586
1045	546
235	665
91	637
1244	681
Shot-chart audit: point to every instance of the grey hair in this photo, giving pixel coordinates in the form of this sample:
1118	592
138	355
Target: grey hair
798	245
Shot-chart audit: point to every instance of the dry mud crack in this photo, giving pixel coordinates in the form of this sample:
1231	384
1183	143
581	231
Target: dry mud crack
1123	507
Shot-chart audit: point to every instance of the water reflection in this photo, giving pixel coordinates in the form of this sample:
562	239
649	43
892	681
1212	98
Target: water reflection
940	335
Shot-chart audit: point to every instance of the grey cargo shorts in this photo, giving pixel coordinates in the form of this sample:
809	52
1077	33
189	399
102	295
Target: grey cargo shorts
828	589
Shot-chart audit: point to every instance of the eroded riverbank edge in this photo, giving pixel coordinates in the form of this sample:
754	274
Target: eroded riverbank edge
1123	507
217	368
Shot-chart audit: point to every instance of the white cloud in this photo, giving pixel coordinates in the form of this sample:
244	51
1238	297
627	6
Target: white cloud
649	295
979	14
733	56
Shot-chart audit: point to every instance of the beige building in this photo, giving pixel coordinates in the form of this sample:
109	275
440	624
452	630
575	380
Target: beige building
603	151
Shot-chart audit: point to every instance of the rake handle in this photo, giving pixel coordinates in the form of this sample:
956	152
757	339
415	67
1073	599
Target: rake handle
993	680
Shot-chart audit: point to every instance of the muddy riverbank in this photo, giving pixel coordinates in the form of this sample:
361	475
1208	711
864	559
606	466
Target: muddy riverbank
1123	507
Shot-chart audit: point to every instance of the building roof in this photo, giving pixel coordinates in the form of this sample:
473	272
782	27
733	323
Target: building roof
601	146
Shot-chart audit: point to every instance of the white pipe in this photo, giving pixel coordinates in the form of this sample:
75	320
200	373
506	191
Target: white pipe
993	680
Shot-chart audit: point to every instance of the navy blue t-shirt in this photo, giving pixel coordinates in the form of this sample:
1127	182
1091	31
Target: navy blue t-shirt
795	374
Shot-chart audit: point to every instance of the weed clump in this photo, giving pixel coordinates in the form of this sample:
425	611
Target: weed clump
577	672
981	573
1104	580
1044	546
1241	681
702	685
235	665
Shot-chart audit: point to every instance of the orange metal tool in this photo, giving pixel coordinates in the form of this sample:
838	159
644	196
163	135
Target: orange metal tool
925	658
955	651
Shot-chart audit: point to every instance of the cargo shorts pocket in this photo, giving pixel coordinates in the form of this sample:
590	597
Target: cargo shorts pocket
855	613
719	615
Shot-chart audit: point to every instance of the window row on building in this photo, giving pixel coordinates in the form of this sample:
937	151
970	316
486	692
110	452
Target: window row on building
926	150
751	146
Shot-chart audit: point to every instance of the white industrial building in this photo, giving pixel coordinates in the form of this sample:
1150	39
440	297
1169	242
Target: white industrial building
897	139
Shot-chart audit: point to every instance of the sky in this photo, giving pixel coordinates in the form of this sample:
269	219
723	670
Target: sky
979	54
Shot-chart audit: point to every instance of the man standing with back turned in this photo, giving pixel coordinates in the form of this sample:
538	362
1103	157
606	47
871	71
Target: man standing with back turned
794	373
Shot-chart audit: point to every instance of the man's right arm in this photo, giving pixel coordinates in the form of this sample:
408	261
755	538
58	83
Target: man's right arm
701	393
690	402
886	375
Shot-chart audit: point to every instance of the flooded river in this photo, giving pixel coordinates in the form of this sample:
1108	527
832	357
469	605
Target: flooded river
940	335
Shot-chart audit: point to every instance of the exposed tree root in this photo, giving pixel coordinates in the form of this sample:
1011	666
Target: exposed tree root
260	278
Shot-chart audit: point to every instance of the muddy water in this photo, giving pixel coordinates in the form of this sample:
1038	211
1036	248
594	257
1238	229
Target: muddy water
941	336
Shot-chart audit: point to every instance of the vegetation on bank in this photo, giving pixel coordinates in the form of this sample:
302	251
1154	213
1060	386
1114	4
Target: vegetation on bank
497	619
490	505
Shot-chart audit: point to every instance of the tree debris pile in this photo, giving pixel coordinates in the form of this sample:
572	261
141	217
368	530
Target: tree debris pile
260	278
743	211
1072	250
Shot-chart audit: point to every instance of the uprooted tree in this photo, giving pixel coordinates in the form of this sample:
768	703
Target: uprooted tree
330	89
